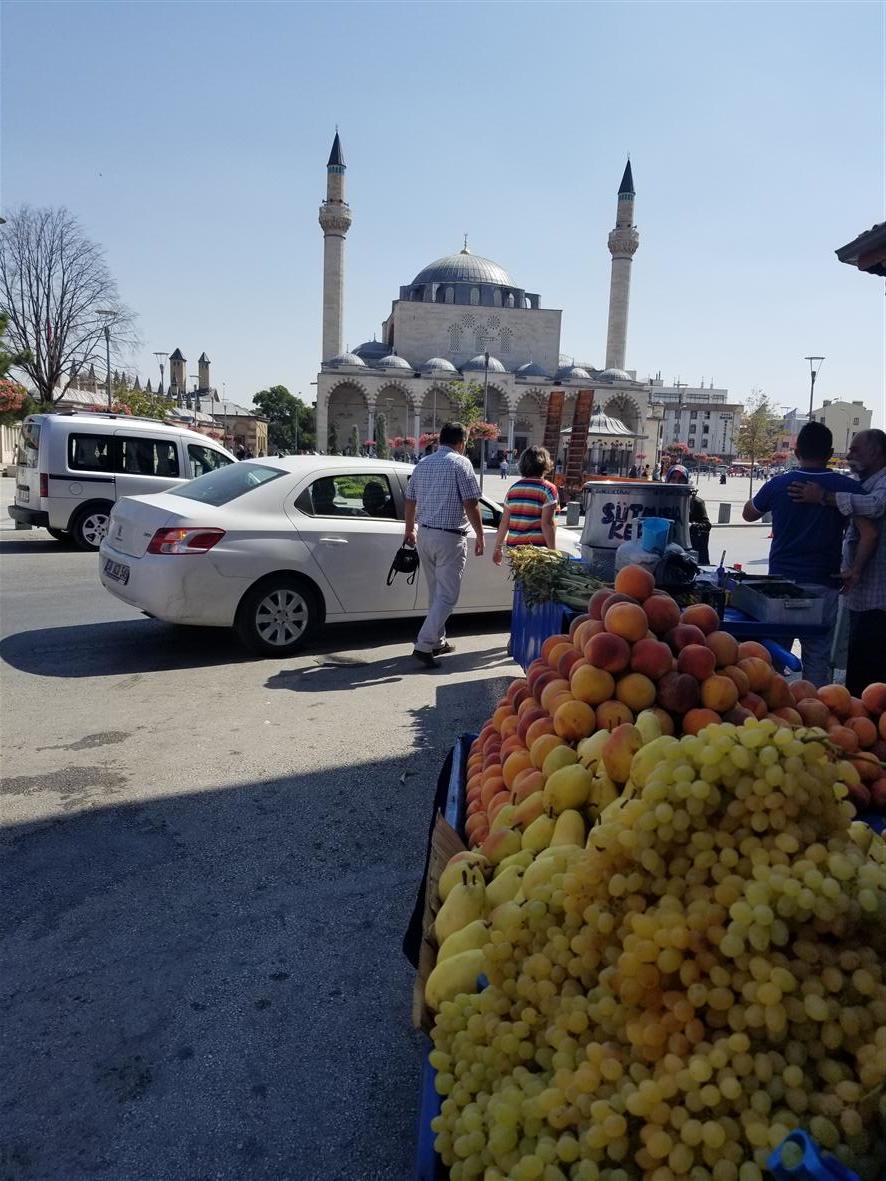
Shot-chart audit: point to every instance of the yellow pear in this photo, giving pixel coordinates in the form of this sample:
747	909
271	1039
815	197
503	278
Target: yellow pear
567	788
570	829
528	810
464	903
648	725
538	835
474	935
451	875
621	746
501	843
454	975
506	916
590	749
524	859
648	757
504	887
560	756
504	818
603	790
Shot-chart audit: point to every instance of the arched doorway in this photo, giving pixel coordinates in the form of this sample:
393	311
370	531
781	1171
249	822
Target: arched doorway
393	402
347	407
625	409
529	427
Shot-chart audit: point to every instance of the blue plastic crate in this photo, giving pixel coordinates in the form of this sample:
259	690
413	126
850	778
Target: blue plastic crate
531	626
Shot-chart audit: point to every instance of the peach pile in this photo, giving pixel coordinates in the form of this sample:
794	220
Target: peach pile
635	660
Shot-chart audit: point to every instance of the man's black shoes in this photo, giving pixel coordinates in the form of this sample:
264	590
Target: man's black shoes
428	659
444	649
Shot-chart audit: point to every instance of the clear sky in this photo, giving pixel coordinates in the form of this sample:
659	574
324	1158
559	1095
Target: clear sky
191	140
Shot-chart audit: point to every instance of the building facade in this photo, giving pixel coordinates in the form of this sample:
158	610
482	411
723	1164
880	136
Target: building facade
439	331
844	420
701	417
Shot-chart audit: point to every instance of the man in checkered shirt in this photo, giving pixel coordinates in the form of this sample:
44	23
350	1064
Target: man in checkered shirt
866	595
442	496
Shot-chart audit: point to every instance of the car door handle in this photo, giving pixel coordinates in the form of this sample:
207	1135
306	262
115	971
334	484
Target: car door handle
334	540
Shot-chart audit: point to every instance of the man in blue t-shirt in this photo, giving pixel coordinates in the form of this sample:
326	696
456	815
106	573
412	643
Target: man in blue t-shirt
806	546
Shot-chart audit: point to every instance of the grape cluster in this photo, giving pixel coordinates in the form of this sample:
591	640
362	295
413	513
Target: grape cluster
672	1001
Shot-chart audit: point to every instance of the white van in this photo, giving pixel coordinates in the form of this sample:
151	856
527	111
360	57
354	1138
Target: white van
73	467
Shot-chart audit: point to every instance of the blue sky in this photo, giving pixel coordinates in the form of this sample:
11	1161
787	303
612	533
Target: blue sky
191	141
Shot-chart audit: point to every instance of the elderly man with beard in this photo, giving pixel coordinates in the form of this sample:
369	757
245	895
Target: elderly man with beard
865	591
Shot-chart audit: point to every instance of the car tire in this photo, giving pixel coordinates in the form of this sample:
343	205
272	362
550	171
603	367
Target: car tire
62	535
90	526
277	616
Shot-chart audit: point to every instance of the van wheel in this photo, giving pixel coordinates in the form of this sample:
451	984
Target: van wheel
62	535
276	617
90	527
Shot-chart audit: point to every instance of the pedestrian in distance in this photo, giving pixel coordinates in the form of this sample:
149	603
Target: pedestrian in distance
646	473
503	468
807	539
633	472
529	507
864	581
699	521
442	496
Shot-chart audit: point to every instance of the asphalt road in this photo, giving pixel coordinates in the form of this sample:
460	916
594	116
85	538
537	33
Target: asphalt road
208	864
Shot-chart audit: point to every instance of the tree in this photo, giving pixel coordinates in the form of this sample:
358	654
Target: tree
467	401
55	286
759	432
290	422
381	437
144	403
9	360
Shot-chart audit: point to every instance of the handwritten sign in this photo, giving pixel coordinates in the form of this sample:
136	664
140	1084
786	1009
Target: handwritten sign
615	514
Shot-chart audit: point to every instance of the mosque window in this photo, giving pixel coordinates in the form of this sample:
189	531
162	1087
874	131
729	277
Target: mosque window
450	295
510	302
496	298
455	338
494	323
475	296
506	338
468	320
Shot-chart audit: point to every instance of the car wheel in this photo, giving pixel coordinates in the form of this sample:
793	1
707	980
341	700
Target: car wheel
62	535
90	527
277	617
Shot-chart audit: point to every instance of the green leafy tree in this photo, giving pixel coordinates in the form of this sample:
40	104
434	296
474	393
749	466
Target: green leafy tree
10	358
467	401
759	432
382	449
144	403
291	424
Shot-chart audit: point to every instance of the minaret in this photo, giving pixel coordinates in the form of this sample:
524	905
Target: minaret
623	242
203	372
335	219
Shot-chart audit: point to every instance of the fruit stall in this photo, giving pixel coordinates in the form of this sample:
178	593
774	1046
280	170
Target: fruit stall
652	933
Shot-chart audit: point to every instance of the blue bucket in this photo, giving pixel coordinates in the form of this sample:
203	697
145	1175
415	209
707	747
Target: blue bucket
655	534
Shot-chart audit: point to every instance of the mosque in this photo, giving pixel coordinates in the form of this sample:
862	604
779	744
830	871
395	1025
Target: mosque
439	329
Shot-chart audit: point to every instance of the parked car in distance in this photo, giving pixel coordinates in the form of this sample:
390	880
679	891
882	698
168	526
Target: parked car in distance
71	468
275	547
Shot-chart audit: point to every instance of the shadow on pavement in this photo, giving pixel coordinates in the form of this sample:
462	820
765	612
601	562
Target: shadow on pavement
37	545
211	985
342	673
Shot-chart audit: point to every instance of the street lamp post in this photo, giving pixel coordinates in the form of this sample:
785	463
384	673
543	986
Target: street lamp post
108	316
485	414
161	359
815	364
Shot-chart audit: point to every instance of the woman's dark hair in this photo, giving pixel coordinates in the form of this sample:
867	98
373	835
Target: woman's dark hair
452	433
535	462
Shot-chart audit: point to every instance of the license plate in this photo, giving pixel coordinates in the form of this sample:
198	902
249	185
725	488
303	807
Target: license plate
24	494
117	571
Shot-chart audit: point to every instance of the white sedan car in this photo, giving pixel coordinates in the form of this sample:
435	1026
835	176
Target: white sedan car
276	547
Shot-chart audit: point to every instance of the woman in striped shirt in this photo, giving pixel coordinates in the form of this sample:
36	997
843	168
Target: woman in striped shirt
530	504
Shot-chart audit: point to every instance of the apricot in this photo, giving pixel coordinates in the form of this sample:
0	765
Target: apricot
609	652
719	693
475	826
557	651
515	686
576	624
591	684
583	633
837	698
777	694
865	729
755	705
757	671
701	615
514	763
496	804
540	726
597	602
696	719
677	692
787	714
526	705
803	690
619	750
652	658
843	737
498	717
635	581
490	789
662	613
813	712
540	680
627	620
550	691
542	747
560	699
698	660
568	660
549	644
874	697
724	647
857	708
881	725
474	805
636	691
520	696
531	715
525	783
738	715
748	648
510	744
681	635
867	766
742	684
509	726
878	792
574	720
613	713
664	719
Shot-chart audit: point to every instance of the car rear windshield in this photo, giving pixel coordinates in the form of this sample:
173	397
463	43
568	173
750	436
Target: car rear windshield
227	483
28	444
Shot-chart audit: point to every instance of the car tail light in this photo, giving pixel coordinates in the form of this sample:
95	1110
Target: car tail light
184	541
44	484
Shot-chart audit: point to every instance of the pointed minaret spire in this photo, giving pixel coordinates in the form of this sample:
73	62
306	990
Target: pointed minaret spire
623	243
335	221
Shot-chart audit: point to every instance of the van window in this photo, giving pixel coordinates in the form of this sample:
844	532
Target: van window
205	459
227	483
140	455
90	453
28	440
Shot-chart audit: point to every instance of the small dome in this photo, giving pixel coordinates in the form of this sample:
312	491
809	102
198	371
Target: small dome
479	362
392	361
617	374
438	365
464	267
573	373
530	369
371	349
347	359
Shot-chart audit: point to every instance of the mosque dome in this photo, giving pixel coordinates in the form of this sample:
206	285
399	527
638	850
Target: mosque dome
617	374
371	350
438	365
530	369
572	373
464	267
347	359
479	363
392	361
